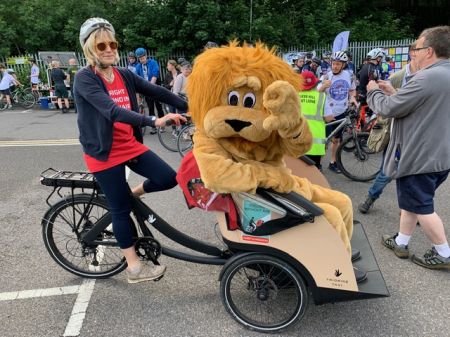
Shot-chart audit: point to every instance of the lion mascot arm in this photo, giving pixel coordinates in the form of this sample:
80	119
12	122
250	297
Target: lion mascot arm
221	174
282	100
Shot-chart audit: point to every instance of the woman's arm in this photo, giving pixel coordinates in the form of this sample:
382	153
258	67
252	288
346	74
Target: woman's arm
93	92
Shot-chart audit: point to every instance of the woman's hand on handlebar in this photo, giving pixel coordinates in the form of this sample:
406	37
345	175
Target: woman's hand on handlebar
170	119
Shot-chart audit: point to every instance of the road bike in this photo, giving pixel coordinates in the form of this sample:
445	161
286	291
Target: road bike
265	281
356	161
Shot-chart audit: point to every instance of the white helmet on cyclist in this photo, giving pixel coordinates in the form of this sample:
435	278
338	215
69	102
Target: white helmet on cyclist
375	53
91	25
340	56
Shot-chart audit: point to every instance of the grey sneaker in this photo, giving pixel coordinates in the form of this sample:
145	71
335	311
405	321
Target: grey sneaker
366	205
432	260
401	251
147	272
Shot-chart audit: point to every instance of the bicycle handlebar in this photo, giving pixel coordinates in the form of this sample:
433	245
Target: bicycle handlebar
188	117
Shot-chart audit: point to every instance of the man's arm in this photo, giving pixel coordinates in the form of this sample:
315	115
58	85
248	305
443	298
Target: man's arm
399	105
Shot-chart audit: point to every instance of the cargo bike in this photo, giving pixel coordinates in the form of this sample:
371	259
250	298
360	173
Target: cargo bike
267	275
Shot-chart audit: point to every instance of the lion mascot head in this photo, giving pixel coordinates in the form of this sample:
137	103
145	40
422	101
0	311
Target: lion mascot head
226	90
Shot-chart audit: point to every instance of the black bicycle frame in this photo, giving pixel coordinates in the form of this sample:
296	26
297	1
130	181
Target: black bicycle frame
142	213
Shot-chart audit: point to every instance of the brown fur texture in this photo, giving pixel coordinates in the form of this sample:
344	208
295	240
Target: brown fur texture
245	105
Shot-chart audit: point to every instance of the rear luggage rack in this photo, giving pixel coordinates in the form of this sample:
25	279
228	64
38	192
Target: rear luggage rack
55	178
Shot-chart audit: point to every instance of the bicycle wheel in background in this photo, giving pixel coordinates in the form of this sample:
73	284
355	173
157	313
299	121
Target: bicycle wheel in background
3	104
64	226
168	137
184	141
355	159
142	112
26	99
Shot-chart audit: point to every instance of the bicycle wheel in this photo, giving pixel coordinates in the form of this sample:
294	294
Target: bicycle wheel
355	159
63	228
168	137
263	293
3	104
26	99
142	112
184	141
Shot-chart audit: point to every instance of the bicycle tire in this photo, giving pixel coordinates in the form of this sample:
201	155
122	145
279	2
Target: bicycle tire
3	104
142	112
64	242
168	137
255	288
184	140
358	163
26	99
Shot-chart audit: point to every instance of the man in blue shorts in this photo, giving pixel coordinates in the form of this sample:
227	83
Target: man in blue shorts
418	154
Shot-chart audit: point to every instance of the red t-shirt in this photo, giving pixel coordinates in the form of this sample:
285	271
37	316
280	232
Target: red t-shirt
124	146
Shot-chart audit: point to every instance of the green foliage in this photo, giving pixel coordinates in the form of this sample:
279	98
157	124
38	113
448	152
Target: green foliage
169	26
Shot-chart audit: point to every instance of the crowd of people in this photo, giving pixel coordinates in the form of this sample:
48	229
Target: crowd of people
413	103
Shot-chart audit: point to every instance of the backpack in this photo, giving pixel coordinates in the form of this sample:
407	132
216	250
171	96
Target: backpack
379	135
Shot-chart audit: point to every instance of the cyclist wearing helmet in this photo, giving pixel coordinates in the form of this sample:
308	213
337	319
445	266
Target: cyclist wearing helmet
110	135
210	44
15	81
132	62
148	69
299	62
340	89
350	66
369	71
5	83
313	65
325	64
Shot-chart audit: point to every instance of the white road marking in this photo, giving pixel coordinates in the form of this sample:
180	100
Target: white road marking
24	294
39	142
76	319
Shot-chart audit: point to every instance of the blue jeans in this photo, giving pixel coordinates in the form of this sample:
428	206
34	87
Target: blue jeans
160	176
380	182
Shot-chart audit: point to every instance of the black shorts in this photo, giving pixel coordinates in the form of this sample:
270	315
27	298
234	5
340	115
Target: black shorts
61	92
5	92
331	128
415	193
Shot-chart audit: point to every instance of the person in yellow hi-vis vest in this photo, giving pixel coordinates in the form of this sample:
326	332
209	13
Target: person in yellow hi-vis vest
317	111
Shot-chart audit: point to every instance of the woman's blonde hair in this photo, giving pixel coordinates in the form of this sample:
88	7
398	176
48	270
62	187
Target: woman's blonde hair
90	50
173	62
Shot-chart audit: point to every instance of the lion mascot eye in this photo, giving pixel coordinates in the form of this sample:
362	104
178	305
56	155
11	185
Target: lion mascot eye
249	100
233	98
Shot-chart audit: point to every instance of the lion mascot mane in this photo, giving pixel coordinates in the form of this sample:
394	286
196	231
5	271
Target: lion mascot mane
245	105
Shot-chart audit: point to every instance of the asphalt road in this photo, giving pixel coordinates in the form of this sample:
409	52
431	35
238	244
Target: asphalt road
186	301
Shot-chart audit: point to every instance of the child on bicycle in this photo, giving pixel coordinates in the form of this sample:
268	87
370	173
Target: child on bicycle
110	135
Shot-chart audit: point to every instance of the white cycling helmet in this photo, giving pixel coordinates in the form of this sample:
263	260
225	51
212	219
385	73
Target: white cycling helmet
91	25
375	53
339	56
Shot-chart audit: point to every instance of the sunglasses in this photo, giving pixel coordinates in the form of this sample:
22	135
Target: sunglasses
101	46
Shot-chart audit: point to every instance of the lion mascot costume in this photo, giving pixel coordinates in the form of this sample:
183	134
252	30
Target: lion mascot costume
245	105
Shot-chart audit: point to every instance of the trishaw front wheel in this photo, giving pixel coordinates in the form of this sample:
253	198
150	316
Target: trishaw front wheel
263	293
